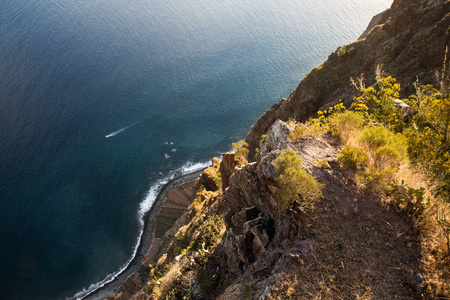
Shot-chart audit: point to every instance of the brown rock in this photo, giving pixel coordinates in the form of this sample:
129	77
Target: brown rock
237	291
276	138
417	282
266	171
209	177
258	246
228	167
404	109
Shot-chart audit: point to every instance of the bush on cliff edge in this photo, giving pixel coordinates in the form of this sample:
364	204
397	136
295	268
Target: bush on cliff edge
295	184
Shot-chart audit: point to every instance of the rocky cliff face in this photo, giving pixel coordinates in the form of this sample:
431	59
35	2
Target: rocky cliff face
409	40
238	242
242	244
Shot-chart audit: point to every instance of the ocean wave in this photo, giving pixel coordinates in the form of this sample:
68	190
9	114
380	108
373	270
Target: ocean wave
150	199
190	167
144	207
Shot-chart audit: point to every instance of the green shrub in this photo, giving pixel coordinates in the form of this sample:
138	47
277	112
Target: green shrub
343	50
352	157
241	151
429	137
375	179
345	125
373	138
208	233
211	178
261	140
387	156
295	184
379	102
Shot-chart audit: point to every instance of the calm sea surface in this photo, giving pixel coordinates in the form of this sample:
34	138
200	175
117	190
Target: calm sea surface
99	97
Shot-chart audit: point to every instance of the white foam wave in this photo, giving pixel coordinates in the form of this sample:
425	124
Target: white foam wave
150	198
144	207
190	167
154	190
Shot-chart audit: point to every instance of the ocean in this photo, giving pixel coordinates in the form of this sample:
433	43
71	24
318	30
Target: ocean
102	100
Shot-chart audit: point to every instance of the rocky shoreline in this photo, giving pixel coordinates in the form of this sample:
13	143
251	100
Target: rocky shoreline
146	240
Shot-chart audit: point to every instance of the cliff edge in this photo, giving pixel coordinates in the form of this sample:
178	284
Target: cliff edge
255	231
409	41
245	243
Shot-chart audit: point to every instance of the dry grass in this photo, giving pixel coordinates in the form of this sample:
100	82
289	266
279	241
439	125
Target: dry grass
435	250
322	164
359	247
306	130
435	261
345	125
413	176
355	255
174	276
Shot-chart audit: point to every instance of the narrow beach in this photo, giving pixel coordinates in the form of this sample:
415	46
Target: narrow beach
146	240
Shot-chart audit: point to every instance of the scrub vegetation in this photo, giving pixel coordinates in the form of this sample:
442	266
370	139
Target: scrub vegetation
386	146
295	184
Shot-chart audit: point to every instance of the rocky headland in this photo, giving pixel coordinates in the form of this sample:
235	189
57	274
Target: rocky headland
238	240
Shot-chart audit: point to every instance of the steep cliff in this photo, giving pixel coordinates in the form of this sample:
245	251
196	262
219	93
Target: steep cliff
409	41
241	240
243	243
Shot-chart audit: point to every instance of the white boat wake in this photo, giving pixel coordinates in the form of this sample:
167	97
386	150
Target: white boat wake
119	131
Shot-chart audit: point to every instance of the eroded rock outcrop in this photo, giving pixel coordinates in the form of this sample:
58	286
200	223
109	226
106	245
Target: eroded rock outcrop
208	178
241	243
404	109
228	167
276	138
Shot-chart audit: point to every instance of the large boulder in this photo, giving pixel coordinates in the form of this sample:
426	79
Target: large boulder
403	109
276	138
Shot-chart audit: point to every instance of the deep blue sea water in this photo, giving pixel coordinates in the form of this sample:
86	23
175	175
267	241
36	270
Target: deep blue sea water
98	97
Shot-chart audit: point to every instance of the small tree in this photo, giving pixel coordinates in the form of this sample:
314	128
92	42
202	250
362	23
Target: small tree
377	103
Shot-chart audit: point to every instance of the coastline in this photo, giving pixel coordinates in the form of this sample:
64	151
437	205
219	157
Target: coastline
146	239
